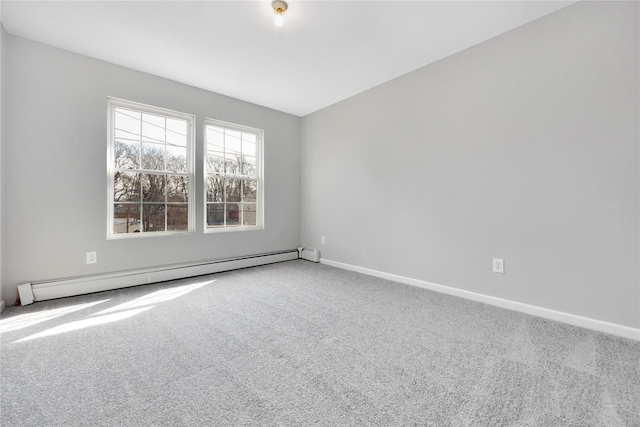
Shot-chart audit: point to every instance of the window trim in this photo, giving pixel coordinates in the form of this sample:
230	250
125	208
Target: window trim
112	104
259	176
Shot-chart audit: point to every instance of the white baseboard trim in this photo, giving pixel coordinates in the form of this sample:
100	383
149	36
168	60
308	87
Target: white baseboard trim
33	292
572	319
2	306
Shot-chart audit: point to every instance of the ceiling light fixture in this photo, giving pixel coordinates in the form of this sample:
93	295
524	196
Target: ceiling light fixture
279	8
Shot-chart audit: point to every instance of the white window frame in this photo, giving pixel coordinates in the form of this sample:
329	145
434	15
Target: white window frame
114	103
259	177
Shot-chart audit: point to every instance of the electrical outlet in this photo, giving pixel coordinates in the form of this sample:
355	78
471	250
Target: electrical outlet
323	240
498	265
92	257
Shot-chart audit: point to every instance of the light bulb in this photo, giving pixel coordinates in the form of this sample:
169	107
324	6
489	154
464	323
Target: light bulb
279	8
279	20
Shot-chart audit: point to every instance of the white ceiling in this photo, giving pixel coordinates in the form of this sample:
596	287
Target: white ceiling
325	52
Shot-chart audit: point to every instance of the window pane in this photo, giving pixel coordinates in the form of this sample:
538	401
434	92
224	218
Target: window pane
249	144
153	157
215	214
153	217
232	190
126	187
153	128
215	190
121	134
249	214
215	138
177	188
153	188
249	190
215	163
233	214
249	166
232	141
127	154
248	137
176	159
177	217
176	132
232	164
127	124
126	218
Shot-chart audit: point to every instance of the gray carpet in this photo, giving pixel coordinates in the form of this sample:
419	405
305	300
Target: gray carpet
298	343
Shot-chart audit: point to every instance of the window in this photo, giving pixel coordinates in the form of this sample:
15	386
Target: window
233	175
150	164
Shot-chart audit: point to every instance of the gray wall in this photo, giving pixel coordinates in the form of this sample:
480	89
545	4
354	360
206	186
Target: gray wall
3	36
524	148
55	198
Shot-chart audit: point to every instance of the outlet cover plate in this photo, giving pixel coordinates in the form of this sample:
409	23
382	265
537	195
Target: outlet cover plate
92	258
498	265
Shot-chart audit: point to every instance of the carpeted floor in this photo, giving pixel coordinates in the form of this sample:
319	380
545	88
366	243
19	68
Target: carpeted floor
303	344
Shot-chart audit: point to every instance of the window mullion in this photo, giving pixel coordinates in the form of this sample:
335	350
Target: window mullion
152	172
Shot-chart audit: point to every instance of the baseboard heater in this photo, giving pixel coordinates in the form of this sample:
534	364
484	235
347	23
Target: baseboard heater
41	291
312	255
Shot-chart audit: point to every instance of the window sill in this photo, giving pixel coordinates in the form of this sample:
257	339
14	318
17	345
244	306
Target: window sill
214	230
148	234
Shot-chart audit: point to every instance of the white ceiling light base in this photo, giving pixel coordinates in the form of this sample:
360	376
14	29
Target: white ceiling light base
279	8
